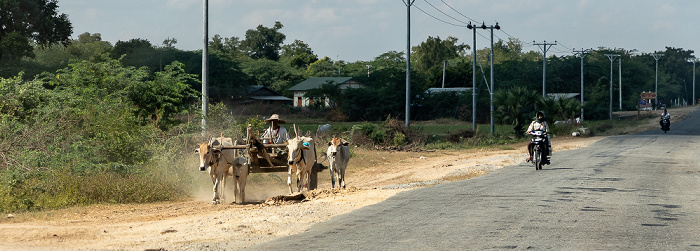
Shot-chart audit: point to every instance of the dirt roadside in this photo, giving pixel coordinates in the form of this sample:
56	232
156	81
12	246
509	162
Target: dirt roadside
198	225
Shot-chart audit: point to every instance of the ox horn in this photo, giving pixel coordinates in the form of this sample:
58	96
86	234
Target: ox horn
296	133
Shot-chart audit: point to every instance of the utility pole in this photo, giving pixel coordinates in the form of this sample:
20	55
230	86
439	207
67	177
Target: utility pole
582	54
368	70
444	63
205	68
693	60
544	46
408	4
619	78
656	86
473	28
612	58
491	86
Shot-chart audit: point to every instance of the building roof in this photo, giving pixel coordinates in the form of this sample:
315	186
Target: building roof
313	83
271	98
259	92
456	89
558	96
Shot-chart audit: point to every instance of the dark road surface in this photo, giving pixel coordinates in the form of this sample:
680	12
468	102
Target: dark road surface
633	192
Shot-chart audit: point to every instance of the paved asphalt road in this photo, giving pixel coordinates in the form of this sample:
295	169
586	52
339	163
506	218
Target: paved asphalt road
632	192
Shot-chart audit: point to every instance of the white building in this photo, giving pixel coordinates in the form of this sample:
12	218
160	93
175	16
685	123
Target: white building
313	83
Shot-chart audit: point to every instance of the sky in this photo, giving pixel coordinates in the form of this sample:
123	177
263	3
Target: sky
360	30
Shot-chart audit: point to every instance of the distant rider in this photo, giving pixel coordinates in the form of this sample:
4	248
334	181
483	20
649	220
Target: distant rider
539	124
665	115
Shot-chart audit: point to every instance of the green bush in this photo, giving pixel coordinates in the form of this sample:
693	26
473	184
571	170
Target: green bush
78	137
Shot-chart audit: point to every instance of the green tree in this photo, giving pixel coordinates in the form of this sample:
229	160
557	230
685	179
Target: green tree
324	67
230	47
298	54
434	51
507	51
264	42
513	106
391	59
457	74
89	47
160	100
676	67
27	22
169	42
273	74
137	52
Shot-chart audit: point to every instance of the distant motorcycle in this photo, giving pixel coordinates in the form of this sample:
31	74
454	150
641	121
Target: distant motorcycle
665	124
539	139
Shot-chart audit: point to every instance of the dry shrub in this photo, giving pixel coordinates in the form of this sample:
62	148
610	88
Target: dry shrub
336	115
360	139
459	135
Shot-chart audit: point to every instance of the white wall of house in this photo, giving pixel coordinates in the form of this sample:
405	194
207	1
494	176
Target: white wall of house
301	101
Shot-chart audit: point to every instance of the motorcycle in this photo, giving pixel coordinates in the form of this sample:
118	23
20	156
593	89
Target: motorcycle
539	139
665	124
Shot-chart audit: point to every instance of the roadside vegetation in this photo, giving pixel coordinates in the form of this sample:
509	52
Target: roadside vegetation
83	121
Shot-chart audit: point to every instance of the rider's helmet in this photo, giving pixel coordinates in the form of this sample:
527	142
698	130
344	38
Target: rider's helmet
537	116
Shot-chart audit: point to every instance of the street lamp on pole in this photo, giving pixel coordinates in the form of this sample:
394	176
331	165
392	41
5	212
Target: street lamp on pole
656	86
612	58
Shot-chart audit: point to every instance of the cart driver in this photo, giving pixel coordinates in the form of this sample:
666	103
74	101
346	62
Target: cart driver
276	134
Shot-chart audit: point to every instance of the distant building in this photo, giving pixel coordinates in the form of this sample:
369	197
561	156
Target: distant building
313	83
264	95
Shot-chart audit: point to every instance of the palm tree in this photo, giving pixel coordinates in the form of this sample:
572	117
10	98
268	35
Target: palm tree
513	106
568	108
550	108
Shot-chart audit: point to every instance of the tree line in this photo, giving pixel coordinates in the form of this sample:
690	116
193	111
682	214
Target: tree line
84	121
262	58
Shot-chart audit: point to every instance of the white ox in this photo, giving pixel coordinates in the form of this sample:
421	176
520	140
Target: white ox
302	158
222	163
338	155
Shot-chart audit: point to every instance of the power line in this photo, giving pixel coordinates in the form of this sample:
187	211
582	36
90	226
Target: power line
481	35
458	25
426	1
565	46
457	11
506	33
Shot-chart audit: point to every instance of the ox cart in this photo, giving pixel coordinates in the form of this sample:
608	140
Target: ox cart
268	157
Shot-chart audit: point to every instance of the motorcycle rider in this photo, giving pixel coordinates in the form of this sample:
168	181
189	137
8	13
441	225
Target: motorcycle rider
539	124
665	115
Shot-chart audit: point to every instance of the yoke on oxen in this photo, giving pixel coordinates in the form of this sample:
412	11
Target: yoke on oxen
268	157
